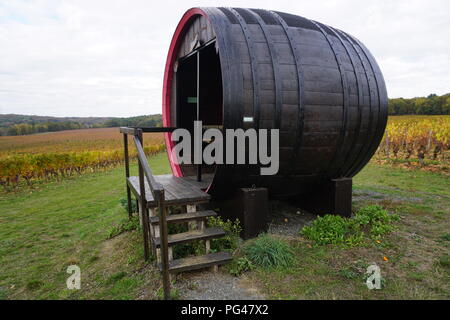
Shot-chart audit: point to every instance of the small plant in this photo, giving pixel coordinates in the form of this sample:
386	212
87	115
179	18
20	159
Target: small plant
125	225
349	273
444	261
124	204
116	277
34	285
444	237
3	294
231	239
174	294
269	252
240	265
375	220
332	229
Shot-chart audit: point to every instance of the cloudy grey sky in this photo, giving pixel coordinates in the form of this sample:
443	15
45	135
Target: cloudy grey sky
106	58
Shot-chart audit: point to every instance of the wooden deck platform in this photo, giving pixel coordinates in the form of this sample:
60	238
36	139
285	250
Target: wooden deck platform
178	191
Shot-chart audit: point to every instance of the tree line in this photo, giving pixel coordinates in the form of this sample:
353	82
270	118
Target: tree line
430	105
13	125
34	125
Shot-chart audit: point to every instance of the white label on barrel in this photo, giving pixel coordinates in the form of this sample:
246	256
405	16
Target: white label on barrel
248	119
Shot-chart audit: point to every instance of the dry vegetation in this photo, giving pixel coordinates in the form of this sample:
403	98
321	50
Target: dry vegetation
416	141
47	156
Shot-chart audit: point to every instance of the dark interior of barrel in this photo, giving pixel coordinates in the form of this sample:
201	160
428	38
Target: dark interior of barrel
200	69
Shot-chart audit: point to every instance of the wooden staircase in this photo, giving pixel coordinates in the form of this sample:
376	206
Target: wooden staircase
197	231
156	195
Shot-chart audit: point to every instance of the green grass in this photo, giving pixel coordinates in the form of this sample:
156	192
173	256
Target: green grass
370	222
268	252
81	221
45	230
413	258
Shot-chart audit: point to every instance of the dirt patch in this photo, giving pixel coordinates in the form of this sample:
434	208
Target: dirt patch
287	219
206	285
361	195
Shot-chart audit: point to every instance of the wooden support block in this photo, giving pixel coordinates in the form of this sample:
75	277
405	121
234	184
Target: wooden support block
158	255
140	214
170	254
207	246
250	206
214	268
193	224
191	207
332	197
154	228
153	212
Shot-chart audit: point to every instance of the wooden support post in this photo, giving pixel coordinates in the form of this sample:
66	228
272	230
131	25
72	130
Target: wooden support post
192	224
251	207
143	205
151	231
127	173
155	233
332	197
155	230
164	246
140	213
199	166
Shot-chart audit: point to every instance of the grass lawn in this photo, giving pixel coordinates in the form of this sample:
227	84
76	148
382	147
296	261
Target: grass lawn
43	231
414	260
46	229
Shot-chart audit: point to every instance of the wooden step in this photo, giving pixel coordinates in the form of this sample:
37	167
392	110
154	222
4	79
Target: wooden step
177	191
208	233
199	262
183	217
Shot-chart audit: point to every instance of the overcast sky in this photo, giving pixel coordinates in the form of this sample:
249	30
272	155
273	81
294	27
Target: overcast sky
106	58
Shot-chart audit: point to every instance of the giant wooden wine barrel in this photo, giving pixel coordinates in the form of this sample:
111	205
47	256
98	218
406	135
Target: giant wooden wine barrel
318	85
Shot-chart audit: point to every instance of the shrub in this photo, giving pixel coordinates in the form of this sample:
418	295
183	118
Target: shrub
229	242
444	261
239	266
124	204
332	229
231	239
269	252
125	225
374	220
174	294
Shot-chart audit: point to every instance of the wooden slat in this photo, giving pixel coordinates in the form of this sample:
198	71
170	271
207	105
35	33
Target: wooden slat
183	217
157	129
199	262
206	180
177	191
127	130
208	233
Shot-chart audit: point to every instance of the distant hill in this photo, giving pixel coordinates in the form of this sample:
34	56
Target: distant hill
17	124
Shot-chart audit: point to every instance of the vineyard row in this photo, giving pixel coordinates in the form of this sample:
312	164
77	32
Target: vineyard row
46	166
421	139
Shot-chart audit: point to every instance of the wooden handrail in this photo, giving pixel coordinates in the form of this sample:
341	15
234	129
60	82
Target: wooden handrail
132	130
127	130
158	193
155	187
